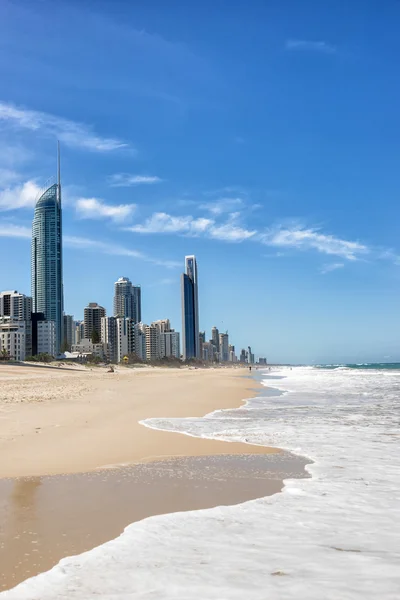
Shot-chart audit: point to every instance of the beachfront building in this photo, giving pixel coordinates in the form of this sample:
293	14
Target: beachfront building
93	314
127	300
140	340
250	356
208	351
46	258
12	339
215	338
172	344
243	356
46	340
79	327
190	310
18	307
125	338
108	336
69	332
87	348
224	347
152	342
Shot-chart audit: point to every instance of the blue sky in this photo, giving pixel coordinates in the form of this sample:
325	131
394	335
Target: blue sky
264	137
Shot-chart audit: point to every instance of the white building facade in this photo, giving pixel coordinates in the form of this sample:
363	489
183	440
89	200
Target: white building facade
12	338
46	337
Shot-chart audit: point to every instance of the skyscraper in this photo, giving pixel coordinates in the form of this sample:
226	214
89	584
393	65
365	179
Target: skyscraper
127	300
46	257
190	310
215	337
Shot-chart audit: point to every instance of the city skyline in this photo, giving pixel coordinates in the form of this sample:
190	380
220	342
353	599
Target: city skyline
265	145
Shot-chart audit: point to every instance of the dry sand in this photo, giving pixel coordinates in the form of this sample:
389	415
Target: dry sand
55	421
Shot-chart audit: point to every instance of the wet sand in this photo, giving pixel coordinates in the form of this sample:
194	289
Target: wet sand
48	518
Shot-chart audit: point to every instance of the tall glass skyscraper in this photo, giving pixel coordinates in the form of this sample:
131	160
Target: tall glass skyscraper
190	310
127	300
46	258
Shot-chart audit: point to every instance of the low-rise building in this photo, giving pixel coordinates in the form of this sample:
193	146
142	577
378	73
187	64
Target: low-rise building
12	338
86	347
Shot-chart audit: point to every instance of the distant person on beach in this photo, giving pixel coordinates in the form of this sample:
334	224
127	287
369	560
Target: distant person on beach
249	368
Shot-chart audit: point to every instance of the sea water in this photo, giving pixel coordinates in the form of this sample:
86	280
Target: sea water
334	536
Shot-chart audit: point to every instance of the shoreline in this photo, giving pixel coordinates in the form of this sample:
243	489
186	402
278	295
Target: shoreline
54	423
68	502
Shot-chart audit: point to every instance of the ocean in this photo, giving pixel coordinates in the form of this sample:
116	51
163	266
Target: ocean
335	535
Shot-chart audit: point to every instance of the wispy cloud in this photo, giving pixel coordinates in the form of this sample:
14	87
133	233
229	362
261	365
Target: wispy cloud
19	196
10	230
116	250
330	267
306	239
128	180
191	226
311	46
224	205
161	222
94	208
69	132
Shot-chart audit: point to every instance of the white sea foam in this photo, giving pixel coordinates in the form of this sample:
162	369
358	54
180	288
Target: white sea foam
335	536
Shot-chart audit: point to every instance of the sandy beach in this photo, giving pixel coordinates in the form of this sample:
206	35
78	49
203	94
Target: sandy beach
76	465
55	420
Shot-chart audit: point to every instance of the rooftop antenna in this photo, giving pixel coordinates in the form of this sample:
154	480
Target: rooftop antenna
58	172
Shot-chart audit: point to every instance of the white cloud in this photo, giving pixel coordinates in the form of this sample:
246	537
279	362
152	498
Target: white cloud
69	132
127	180
189	225
308	45
94	208
331	267
229	232
20	196
305	239
223	205
164	223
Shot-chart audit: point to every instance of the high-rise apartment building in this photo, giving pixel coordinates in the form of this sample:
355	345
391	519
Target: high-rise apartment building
152	342
140	340
223	347
208	351
172	344
215	337
69	332
15	305
127	300
46	338
18	307
92	320
109	337
190	310
46	258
